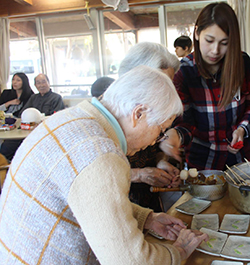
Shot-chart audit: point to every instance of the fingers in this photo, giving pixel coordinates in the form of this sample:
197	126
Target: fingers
176	181
188	240
169	168
232	150
155	176
170	149
165	225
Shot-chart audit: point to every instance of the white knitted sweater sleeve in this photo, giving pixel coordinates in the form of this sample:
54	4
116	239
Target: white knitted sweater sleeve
99	200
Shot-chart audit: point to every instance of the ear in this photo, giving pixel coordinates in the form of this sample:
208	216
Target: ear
196	34
139	114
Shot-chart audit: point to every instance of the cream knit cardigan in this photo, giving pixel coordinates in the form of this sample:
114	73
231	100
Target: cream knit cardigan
65	199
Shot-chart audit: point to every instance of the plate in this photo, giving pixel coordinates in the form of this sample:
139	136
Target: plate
193	206
209	221
224	262
235	223
153	233
237	248
215	243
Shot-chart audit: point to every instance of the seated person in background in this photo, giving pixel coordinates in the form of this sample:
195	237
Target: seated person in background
69	182
45	101
100	85
13	100
183	46
149	166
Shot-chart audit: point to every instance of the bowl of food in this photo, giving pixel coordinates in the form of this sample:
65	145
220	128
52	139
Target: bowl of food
205	184
208	185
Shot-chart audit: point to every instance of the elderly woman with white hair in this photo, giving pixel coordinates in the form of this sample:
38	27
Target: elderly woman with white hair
151	166
151	54
65	198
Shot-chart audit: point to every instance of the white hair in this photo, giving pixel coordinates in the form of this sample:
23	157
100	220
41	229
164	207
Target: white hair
147	86
151	54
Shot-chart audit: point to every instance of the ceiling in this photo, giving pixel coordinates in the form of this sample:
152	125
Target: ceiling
16	8
140	15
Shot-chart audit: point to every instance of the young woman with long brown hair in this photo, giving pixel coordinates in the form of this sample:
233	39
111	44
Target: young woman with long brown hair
214	85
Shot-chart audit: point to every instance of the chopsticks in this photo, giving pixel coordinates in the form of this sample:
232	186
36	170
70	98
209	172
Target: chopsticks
236	176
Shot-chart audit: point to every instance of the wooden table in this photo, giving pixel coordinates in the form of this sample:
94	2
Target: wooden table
221	207
15	134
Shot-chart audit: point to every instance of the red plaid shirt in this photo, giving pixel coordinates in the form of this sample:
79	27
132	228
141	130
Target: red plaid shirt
204	126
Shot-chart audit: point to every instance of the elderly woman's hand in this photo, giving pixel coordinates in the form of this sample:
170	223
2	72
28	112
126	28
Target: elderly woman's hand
173	171
188	241
172	144
165	225
152	176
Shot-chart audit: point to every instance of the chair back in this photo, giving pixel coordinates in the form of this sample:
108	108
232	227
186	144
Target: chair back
4	166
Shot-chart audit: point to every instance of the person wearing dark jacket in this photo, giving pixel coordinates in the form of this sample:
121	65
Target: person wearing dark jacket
13	100
45	101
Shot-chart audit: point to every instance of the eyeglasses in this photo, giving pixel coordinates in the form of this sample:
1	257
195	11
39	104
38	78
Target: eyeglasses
162	136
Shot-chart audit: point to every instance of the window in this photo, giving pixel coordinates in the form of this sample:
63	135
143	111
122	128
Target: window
24	50
69	54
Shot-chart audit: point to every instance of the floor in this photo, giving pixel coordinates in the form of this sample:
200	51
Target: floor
169	198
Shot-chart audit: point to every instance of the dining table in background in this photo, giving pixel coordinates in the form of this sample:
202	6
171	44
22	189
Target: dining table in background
16	134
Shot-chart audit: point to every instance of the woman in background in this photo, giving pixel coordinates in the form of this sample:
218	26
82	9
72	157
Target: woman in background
214	86
12	100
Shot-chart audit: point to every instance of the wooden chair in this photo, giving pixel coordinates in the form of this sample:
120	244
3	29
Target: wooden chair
4	166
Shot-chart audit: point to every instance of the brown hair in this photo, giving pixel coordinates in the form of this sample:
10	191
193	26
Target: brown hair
233	73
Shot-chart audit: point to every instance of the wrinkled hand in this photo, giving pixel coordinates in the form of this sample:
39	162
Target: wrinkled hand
172	144
165	225
188	240
238	135
173	171
152	176
12	102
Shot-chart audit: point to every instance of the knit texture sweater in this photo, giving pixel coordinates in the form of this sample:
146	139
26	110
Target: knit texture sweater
65	198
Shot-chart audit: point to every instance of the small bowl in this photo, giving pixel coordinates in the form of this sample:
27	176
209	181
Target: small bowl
10	120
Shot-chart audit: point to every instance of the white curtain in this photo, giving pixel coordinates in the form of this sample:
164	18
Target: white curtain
242	10
4	52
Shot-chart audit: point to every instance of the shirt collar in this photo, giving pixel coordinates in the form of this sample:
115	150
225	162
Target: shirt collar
113	122
48	93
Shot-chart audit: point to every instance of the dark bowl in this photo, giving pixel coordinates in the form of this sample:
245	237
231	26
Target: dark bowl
10	120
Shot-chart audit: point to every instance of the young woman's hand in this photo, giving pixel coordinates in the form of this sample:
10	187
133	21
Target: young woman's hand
238	136
12	102
172	144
